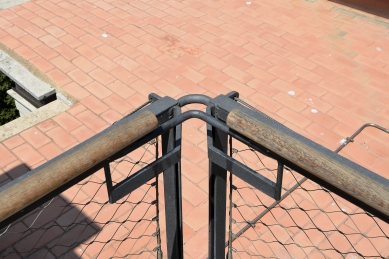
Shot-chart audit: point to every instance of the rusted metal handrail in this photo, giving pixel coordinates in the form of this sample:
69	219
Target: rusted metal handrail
332	168
32	186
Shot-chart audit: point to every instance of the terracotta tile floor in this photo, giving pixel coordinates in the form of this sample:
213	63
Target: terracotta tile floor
320	68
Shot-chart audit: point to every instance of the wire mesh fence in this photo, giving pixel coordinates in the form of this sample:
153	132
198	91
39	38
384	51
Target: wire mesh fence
81	223
309	222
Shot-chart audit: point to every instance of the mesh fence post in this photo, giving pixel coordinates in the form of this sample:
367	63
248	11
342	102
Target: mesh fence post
217	196
172	187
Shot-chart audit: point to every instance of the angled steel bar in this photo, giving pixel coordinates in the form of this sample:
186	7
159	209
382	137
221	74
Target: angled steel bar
144	175
243	172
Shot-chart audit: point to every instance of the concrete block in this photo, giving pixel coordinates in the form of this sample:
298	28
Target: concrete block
22	105
20	75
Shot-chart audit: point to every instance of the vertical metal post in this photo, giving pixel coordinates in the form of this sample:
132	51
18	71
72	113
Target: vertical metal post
108	180
158	230
229	251
172	188
217	196
280	172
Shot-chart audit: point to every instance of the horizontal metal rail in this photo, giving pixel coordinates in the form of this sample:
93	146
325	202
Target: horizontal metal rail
32	186
356	181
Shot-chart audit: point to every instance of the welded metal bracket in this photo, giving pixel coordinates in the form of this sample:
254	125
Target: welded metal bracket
162	108
169	164
222	105
141	177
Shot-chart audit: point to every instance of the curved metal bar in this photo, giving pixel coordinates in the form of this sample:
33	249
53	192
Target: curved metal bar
194	114
194	98
356	133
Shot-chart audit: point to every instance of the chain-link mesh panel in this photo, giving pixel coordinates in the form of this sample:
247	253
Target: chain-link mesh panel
310	222
81	223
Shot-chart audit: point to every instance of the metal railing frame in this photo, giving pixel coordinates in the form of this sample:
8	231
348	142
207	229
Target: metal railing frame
169	117
252	222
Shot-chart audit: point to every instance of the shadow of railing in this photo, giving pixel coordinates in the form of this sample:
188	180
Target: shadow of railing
82	223
47	230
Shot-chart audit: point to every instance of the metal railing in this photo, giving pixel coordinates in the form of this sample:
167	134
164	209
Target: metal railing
129	225
307	221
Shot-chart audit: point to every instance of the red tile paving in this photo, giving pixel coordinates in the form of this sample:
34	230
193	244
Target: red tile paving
110	55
